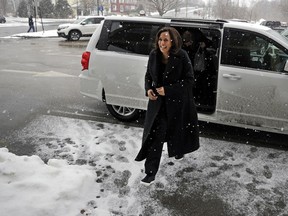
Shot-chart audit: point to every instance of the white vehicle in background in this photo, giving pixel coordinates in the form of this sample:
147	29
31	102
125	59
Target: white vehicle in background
83	27
248	85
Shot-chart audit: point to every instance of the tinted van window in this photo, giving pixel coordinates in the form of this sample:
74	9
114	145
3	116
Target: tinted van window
128	37
248	49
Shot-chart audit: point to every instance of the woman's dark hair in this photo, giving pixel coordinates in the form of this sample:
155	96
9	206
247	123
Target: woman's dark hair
175	37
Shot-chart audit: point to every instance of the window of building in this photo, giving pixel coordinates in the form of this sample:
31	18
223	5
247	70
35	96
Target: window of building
114	7
127	8
121	8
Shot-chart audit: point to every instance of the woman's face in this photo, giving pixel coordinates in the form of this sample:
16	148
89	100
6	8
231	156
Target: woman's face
164	42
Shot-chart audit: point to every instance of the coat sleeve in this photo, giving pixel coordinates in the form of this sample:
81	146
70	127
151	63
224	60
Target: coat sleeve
148	77
186	80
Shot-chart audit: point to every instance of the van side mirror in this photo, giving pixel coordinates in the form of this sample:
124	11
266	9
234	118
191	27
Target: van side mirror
286	66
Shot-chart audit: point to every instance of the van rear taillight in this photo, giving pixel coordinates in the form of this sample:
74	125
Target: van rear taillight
85	60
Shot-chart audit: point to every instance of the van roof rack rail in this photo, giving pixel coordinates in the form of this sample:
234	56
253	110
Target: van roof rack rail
211	22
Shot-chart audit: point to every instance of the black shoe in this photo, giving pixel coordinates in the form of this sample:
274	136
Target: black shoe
179	157
149	179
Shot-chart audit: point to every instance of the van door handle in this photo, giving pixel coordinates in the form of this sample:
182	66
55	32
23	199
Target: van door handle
232	76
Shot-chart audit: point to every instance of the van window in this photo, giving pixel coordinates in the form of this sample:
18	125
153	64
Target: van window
251	50
130	37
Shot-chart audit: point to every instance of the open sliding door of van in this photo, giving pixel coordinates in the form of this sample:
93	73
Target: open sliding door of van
201	40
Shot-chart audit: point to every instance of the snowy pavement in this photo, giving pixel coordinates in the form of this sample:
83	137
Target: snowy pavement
39	34
85	167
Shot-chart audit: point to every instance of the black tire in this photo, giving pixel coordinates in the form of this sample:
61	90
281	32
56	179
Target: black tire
74	35
122	113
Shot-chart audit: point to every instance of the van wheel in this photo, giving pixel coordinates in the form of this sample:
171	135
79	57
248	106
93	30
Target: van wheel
123	113
74	35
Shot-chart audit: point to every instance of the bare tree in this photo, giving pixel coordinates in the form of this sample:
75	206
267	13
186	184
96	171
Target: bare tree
284	9
3	6
230	9
220	8
269	10
88	6
162	6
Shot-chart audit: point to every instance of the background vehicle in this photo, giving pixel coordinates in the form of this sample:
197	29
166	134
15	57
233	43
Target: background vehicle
2	19
83	27
271	24
249	82
275	25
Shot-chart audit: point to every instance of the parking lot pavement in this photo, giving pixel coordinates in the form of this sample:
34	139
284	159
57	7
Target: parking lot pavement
221	178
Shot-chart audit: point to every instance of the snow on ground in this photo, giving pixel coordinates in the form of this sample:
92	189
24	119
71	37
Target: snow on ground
39	34
42	34
89	167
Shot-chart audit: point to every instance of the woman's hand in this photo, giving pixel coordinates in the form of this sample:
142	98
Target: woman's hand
161	91
151	95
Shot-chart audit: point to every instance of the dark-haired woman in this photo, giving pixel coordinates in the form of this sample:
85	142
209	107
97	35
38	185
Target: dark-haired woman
171	113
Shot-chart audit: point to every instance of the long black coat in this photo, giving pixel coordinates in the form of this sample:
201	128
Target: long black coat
178	80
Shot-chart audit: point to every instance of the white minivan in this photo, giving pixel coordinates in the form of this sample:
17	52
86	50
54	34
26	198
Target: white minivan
246	87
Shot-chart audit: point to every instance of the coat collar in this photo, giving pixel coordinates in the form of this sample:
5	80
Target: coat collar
173	61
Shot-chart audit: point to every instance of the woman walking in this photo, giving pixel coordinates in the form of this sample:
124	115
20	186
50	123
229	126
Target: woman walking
171	113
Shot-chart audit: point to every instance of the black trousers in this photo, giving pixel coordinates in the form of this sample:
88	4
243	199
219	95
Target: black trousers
157	138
